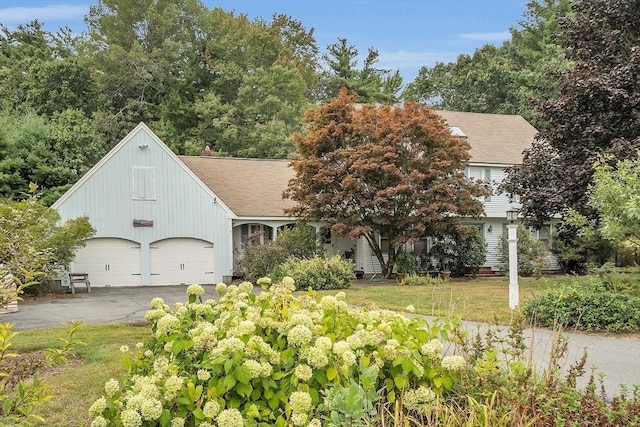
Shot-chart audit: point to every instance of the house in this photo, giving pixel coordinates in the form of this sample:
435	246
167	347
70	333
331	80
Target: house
167	219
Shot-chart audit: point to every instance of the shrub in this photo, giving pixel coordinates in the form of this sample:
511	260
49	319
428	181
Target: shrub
461	252
531	253
300	241
33	239
589	306
415	280
271	359
317	273
259	260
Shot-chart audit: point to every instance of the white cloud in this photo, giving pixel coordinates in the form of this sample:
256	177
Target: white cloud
486	37
53	12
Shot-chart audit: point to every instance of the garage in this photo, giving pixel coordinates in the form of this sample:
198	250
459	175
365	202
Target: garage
181	261
109	262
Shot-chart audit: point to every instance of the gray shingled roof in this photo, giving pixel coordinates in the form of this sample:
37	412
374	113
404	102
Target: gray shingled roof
253	187
249	187
494	138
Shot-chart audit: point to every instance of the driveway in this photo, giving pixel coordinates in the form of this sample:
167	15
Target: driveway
617	357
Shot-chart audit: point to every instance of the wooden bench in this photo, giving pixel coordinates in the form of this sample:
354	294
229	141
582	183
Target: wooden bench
75	278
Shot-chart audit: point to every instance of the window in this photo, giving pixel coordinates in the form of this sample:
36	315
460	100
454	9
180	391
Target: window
476	173
544	236
143	183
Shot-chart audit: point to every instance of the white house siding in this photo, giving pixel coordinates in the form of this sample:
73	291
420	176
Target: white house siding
181	208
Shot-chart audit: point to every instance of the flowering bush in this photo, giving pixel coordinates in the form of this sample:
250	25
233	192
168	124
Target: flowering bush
317	273
275	360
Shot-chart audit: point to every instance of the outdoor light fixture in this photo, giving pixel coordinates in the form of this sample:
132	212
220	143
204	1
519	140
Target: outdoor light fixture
490	229
512	239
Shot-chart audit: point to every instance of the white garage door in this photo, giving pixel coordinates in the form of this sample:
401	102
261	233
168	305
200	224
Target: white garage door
181	261
109	262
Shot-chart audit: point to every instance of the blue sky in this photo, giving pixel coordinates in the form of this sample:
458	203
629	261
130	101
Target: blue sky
407	33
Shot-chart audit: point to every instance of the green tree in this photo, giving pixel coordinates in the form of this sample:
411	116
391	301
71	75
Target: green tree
371	84
595	111
395	172
501	79
32	238
40	72
615	195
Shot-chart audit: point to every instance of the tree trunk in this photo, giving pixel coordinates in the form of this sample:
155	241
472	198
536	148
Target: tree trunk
387	267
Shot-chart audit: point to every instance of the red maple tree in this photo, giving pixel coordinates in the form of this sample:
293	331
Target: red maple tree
374	171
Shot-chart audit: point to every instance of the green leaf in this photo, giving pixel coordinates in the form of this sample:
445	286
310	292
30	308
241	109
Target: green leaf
251	411
242	374
165	418
274	402
227	366
228	382
331	373
400	381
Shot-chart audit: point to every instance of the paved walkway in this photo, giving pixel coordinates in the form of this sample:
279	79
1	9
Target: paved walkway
618	358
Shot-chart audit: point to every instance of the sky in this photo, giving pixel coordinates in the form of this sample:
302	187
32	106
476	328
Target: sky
408	34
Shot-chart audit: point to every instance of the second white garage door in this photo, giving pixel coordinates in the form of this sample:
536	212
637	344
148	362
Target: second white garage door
181	261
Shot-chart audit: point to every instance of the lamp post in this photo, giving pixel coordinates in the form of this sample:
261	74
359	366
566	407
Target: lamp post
512	238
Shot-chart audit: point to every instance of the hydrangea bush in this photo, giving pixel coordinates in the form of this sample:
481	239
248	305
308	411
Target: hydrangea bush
317	273
272	359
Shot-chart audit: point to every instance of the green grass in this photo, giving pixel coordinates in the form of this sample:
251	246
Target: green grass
482	300
75	389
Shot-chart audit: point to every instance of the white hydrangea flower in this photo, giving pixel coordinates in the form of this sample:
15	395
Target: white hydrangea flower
348	358
195	290
221	288
299	336
289	282
314	423
340	347
99	421
264	282
432	349
245	287
130	418
328	302
166	323
324	343
151	409
203	374
453	363
303	372
173	383
300	402
124	349
158	302
230	418
410	308
317	358
140	345
211	409
111	387
177	422
98	406
299	419
419	399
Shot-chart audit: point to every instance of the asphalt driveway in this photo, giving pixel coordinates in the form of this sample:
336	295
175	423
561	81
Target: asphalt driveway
617	357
